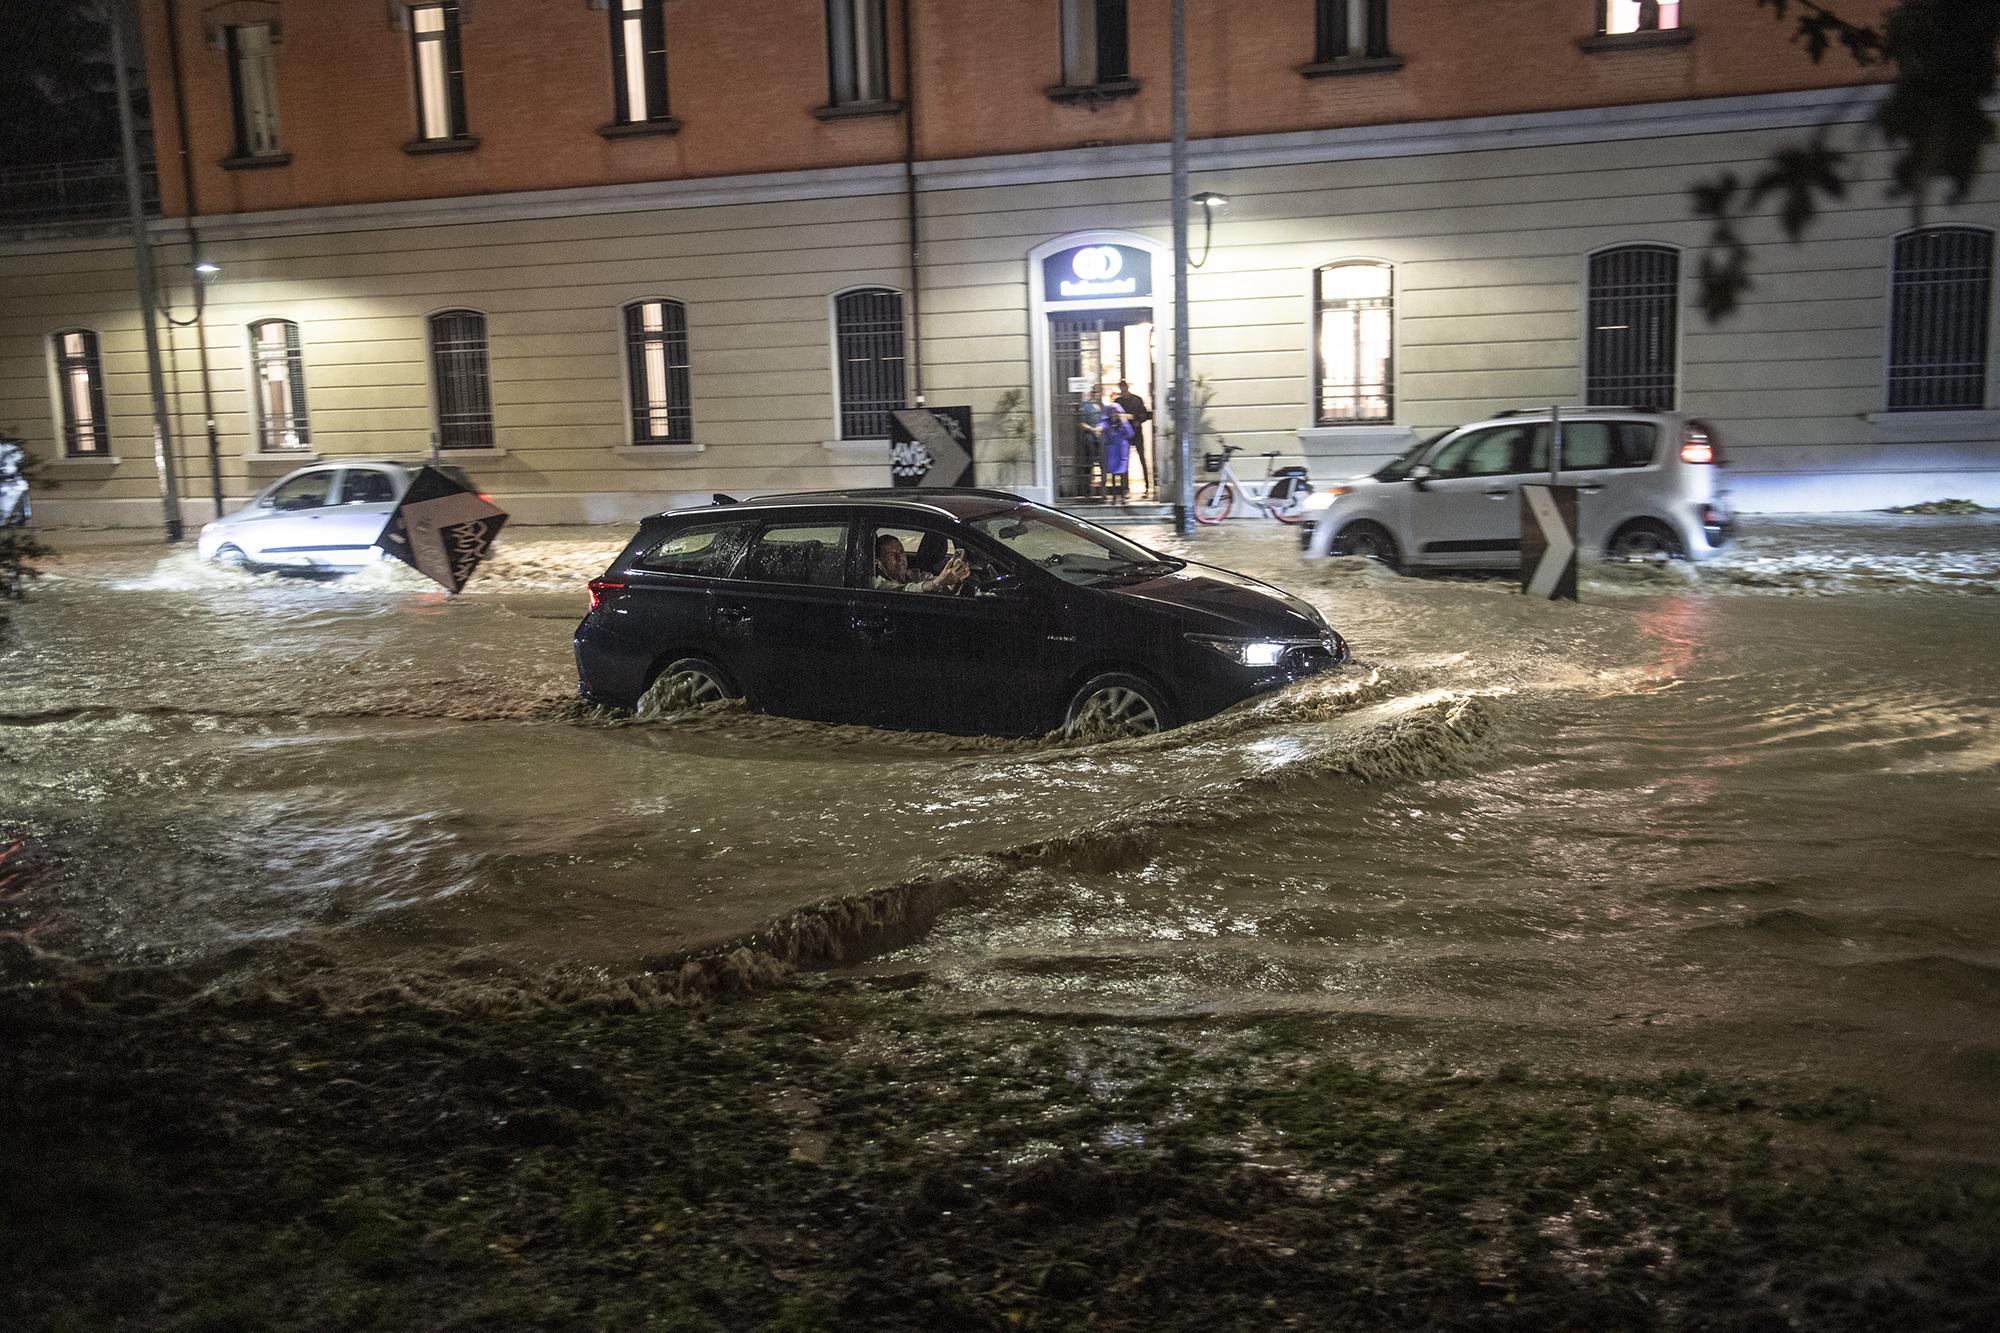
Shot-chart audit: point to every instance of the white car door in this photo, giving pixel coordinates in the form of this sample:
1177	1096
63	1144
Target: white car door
283	526
1611	464
1467	513
362	503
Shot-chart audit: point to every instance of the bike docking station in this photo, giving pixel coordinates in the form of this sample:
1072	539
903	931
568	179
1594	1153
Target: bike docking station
1548	528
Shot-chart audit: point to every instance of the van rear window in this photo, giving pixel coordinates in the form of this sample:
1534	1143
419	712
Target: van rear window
706	551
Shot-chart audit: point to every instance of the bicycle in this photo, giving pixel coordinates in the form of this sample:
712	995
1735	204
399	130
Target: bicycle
1281	492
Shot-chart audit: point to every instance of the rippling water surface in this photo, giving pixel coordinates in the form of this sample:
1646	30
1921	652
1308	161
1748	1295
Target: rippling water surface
1745	815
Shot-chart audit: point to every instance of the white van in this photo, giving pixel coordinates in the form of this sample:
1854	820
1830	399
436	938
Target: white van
1649	485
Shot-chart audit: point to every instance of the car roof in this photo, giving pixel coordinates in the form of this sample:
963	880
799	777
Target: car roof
949	502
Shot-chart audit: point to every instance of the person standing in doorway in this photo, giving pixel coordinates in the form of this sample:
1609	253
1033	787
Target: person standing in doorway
1117	447
1133	406
1089	443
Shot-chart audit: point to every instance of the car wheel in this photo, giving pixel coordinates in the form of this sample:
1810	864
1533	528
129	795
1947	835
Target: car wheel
1371	540
232	557
688	682
1116	704
1645	539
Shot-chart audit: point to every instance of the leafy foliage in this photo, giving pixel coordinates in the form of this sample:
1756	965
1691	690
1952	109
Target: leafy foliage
1934	116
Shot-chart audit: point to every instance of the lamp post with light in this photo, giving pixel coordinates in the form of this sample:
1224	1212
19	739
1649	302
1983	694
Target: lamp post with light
205	272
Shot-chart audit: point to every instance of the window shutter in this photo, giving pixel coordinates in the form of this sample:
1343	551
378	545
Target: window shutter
1113	61
295	368
653	22
1331	40
454	60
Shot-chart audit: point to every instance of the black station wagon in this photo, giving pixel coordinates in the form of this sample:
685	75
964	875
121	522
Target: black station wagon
966	611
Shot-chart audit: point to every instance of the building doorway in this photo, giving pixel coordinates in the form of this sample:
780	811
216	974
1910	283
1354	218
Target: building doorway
1093	350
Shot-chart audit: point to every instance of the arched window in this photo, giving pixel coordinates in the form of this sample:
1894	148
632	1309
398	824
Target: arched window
656	371
278	386
1354	343
868	356
1940	304
80	388
1632	313
458	369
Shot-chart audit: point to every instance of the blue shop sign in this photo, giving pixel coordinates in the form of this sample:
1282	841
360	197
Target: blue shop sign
1097	273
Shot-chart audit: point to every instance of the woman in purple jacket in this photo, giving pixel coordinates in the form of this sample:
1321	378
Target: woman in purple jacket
1118	431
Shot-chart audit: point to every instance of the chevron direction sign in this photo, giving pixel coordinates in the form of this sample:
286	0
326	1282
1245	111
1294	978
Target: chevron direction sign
930	446
1548	542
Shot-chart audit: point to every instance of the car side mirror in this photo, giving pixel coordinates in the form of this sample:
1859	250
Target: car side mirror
1420	476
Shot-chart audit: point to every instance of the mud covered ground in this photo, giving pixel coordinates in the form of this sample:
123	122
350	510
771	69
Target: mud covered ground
1627	965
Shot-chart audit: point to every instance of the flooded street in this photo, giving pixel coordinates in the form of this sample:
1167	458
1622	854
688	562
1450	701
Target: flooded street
1744	816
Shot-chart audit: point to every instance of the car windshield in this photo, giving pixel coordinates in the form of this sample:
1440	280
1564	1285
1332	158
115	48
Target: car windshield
1400	467
1073	551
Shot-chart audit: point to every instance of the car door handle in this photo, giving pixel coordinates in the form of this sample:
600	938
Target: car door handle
1498	495
1589	490
732	615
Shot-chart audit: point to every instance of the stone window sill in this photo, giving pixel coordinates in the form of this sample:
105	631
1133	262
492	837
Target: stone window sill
256	161
857	110
85	461
1094	95
874	450
1326	69
486	451
282	456
641	129
1635	41
656	454
1949	420
420	147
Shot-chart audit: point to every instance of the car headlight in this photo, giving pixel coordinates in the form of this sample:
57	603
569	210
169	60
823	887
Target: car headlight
1250	652
1321	500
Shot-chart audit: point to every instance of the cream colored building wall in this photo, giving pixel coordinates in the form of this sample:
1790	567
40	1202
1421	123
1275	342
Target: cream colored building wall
1490	248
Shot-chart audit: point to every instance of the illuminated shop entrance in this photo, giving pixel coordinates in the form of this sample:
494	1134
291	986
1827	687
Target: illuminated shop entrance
1097	323
1095	350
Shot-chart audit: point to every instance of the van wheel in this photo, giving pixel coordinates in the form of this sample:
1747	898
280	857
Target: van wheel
1116	704
1645	539
232	557
687	682
1371	540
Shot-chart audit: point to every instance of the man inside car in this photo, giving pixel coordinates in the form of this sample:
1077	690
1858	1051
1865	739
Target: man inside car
893	572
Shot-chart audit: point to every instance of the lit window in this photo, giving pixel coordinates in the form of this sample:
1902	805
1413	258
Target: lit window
1640	15
1351	29
1356	312
868	347
1093	42
253	85
857	59
458	368
1632	311
440	72
656	364
639	59
80	388
277	365
1939	307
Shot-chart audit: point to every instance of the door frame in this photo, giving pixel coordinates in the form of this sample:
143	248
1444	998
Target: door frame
1041	353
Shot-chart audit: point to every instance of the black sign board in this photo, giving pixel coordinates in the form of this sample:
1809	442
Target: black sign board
1548	542
930	446
441	528
1097	273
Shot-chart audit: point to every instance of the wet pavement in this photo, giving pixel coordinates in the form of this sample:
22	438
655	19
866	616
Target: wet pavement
1743	816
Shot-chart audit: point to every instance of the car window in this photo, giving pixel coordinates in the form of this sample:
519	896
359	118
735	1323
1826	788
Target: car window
1484	453
366	486
306	491
814	554
925	550
706	551
1594	445
1073	551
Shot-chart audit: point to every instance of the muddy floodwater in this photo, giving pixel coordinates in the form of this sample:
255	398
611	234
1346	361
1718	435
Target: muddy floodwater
1747	816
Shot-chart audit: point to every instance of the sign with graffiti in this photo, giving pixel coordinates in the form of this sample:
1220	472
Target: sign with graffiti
930	446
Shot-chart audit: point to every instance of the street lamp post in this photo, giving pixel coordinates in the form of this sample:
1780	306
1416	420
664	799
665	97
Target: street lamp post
1183	418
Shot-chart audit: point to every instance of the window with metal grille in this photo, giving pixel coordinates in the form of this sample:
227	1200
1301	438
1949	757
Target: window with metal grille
1616	16
440	71
639	60
868	347
1353	362
656	367
1350	29
1940	305
458	364
1632	314
1094	45
278	371
80	387
253	88
857	52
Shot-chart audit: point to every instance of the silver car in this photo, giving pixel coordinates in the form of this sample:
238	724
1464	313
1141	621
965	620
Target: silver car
322	517
1649	483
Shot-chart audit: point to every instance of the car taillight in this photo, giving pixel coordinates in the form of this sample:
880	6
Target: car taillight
602	591
484	496
1697	448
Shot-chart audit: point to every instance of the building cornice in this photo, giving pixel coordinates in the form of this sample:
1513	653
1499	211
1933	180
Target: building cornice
1658	120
